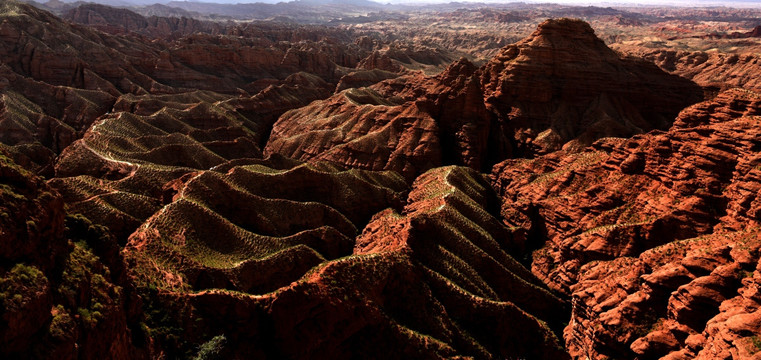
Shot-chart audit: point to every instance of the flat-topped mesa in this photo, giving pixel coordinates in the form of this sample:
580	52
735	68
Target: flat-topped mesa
562	87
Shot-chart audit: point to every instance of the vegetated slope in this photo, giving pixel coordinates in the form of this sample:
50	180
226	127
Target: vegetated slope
256	228
559	87
63	289
431	281
116	173
615	218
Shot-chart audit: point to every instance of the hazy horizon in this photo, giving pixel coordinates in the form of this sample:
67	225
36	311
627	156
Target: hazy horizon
679	3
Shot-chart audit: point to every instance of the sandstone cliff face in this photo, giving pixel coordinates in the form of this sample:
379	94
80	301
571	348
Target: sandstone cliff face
562	87
122	21
624	199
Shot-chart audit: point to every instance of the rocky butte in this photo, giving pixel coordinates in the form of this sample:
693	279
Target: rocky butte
177	188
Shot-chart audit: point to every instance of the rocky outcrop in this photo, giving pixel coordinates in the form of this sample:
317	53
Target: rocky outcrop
409	124
106	18
714	71
726	106
122	21
609	214
562	87
363	78
380	61
691	299
360	128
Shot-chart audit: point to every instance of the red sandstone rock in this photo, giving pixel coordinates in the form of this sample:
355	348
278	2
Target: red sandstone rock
402	124
606	211
562	87
714	71
559	87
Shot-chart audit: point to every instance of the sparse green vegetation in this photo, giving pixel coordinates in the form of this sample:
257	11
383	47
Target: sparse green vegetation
21	282
61	325
212	349
755	341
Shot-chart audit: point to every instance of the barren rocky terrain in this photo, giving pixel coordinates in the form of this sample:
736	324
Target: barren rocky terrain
332	180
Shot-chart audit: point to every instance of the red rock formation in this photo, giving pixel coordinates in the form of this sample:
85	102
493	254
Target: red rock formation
379	61
562	87
360	128
655	238
441	286
755	32
691	299
605	212
715	71
402	124
559	87
121	21
106	18
363	78
454	99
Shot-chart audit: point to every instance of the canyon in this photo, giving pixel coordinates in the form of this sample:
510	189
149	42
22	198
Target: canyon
304	180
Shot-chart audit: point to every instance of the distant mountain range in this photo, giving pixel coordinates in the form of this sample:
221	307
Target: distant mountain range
226	2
